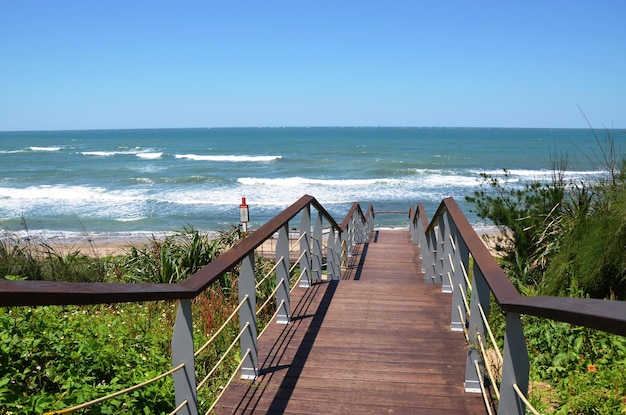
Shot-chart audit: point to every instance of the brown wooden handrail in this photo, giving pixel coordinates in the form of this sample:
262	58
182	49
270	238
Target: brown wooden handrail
418	214
22	293
605	315
356	208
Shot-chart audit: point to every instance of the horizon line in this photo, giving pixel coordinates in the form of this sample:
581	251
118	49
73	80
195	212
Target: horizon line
303	127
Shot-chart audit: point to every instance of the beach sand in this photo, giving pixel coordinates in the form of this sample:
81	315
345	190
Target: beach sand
110	246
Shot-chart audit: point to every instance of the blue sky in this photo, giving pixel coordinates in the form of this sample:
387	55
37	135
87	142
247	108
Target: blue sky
150	64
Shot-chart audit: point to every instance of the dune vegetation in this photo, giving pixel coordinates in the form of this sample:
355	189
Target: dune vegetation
565	238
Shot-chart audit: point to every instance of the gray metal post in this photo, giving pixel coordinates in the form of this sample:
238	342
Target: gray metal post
437	252
422	242
480	296
462	260
458	259
342	242
182	352
282	276
247	317
447	252
351	236
333	261
413	229
430	262
305	247
316	248
515	367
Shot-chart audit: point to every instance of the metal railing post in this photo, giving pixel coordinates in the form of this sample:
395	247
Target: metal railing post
446	254
351	237
369	226
342	241
305	247
515	367
182	352
247	319
282	276
316	248
333	255
414	229
434	272
458	263
476	329
421	239
428	258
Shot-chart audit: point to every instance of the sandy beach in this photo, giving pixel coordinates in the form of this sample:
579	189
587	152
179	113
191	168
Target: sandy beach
111	246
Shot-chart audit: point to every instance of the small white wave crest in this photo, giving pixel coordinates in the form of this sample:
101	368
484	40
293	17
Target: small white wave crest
300	181
228	158
45	148
150	156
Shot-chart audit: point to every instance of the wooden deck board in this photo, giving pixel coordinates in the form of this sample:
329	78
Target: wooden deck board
378	341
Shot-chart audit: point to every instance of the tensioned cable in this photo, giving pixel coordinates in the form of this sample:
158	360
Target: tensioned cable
463	323
271	296
243	359
296	281
204	346
270	272
467	281
482	388
297	262
491	336
179	407
271	318
490	374
523	398
219	362
115	394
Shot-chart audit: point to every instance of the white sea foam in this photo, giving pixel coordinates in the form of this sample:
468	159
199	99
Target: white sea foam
101	153
229	158
545	174
300	181
137	151
61	193
45	148
150	155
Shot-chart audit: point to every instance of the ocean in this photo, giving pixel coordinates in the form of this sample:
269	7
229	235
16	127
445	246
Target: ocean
135	183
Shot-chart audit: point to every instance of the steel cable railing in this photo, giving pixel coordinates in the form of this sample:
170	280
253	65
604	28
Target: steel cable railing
182	405
230	379
224	355
270	297
222	327
449	235
269	273
115	394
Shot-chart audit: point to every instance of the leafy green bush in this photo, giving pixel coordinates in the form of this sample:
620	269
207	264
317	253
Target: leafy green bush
56	357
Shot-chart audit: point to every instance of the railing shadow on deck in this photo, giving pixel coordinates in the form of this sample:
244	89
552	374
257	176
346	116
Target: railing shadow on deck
280	396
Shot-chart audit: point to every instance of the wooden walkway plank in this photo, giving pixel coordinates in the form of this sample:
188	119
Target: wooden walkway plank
378	341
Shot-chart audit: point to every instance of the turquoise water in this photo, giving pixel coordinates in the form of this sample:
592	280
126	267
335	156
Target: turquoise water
110	182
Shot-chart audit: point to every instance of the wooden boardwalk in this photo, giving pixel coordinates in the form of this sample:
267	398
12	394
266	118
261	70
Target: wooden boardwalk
378	341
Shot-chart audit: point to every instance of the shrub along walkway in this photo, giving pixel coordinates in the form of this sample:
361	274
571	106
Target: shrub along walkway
378	341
